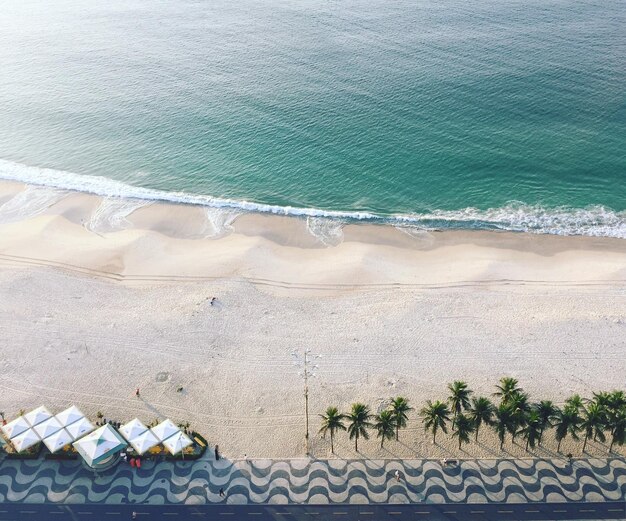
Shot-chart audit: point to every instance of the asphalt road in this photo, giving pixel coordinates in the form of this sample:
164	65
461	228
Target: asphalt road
471	512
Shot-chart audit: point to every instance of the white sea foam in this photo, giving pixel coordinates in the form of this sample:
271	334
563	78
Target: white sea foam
112	214
30	202
106	187
328	231
596	221
220	221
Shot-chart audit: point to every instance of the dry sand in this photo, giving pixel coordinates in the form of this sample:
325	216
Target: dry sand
87	315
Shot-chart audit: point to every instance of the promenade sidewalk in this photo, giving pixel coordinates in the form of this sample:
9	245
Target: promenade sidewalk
316	481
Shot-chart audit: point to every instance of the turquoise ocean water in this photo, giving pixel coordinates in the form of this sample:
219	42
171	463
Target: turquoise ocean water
499	114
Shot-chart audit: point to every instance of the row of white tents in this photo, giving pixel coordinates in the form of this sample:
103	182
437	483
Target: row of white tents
96	446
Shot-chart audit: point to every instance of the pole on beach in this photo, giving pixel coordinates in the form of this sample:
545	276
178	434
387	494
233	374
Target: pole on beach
305	363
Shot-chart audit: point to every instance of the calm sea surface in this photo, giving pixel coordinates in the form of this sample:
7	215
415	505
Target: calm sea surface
491	114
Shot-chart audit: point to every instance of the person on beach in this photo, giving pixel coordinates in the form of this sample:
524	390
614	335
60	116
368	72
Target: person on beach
222	494
213	300
137	392
397	475
217	453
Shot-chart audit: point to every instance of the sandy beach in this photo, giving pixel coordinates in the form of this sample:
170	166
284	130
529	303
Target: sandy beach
91	308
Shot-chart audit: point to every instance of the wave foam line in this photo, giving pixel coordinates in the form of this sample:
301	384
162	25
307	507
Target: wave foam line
595	221
105	187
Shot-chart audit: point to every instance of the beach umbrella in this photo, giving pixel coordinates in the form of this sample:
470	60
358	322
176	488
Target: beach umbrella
38	415
177	442
132	429
25	440
79	428
165	429
100	445
58	440
144	441
47	428
15	427
69	416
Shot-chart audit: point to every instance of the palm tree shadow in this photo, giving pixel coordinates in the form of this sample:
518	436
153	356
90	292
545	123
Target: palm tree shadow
488	449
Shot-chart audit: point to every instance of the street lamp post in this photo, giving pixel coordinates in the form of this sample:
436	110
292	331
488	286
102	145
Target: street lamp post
304	361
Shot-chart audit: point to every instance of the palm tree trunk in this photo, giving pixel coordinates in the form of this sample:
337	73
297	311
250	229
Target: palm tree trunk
611	445
527	440
558	447
356	443
585	442
459	443
332	445
477	427
540	436
397	432
434	435
382	440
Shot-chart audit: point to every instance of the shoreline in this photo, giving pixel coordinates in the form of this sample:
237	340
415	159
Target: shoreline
177	241
392	314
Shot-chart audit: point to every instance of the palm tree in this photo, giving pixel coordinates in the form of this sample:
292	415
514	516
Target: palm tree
507	387
618	428
575	402
385	426
463	428
332	421
435	416
602	398
400	407
359	423
504	422
567	422
531	432
459	398
546	411
593	422
520	407
481	412
616	401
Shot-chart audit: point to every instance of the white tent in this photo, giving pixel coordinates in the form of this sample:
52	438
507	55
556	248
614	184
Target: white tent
58	440
25	440
38	415
80	428
16	427
132	429
99	446
145	441
177	442
69	416
47	428
164	430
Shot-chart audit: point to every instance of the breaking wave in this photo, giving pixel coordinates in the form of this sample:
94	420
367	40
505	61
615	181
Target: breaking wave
595	221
